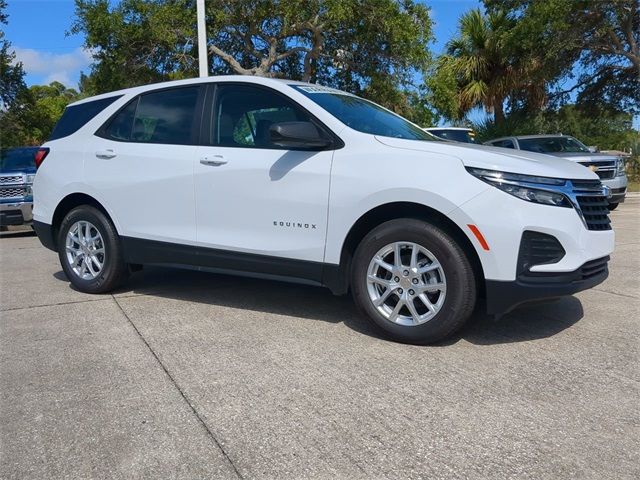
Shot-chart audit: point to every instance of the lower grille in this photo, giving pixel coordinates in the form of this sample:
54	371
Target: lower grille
594	268
13	192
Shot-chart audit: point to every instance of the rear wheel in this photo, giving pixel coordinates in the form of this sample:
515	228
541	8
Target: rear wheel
90	252
413	280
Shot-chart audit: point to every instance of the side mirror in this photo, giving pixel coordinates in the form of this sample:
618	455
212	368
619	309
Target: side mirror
297	135
593	149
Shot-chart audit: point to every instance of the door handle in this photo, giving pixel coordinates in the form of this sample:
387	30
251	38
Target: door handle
214	161
106	154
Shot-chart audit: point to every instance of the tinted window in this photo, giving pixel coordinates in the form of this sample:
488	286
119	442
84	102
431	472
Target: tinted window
76	116
363	115
166	116
503	144
17	158
464	136
244	114
552	145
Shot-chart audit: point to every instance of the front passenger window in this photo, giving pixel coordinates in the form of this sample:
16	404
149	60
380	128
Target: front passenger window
244	114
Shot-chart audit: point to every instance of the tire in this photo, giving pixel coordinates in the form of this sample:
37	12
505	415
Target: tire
113	272
613	206
452	269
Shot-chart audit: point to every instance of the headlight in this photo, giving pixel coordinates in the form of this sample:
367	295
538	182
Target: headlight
526	187
31	178
620	167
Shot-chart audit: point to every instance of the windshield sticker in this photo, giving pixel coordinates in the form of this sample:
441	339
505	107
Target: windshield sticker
320	89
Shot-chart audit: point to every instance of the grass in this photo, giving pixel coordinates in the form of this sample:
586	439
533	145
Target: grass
634	186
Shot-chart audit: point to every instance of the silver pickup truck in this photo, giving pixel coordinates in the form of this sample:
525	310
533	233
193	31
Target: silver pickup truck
609	168
17	171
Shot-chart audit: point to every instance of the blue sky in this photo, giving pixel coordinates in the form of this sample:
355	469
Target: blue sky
37	30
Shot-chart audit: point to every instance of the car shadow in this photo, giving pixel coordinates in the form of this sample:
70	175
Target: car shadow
524	324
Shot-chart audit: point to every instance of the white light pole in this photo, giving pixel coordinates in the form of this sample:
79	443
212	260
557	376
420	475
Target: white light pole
202	40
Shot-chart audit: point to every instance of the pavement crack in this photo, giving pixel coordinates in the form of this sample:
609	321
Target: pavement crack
11	309
615	293
182	393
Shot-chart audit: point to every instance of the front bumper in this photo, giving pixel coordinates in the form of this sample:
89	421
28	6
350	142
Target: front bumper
618	188
503	297
16	213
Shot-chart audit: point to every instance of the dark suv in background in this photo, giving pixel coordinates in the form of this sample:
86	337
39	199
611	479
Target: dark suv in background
17	171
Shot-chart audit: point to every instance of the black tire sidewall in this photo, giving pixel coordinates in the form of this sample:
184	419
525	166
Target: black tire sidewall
461	285
113	267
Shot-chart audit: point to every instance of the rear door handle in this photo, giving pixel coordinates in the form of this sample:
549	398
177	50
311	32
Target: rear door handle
213	161
106	154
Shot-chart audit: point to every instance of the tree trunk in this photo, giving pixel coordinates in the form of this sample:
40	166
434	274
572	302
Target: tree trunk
498	111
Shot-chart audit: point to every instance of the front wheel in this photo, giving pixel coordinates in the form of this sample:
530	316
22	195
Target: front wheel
414	281
613	206
90	251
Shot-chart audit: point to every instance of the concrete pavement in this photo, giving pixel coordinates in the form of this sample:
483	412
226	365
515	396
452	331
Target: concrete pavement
192	375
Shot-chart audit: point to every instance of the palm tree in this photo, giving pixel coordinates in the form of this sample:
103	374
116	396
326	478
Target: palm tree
486	71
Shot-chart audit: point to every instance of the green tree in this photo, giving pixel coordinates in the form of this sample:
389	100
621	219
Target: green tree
137	42
373	48
30	120
488	70
11	72
601	37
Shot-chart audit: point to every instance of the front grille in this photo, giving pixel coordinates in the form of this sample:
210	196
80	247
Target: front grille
13	192
538	249
605	169
595	210
5	180
594	268
593	204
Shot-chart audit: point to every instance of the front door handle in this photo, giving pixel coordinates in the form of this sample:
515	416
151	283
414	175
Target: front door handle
106	154
214	161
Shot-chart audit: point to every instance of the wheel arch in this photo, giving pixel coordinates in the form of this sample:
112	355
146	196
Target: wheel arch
70	202
338	278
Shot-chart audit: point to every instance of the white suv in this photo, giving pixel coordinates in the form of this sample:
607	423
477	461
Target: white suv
294	181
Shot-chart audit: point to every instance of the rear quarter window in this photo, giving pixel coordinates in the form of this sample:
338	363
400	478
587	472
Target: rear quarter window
76	116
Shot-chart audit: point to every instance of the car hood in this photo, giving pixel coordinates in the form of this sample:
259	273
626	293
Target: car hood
585	157
502	159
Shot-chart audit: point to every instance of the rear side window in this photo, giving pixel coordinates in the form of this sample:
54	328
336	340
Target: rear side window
166	116
76	116
503	144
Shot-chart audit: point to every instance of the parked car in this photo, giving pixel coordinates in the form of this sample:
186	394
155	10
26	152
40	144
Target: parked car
289	180
17	171
455	134
610	168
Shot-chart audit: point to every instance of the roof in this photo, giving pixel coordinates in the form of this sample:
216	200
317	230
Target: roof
193	81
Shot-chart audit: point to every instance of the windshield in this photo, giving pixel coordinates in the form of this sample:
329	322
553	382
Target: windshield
363	115
464	136
17	159
552	145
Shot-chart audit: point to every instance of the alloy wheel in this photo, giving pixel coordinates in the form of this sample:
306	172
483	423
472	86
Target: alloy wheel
406	283
85	250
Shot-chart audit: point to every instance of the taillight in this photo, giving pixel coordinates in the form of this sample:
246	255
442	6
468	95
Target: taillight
40	155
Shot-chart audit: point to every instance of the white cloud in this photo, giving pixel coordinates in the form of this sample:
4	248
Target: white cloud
61	67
